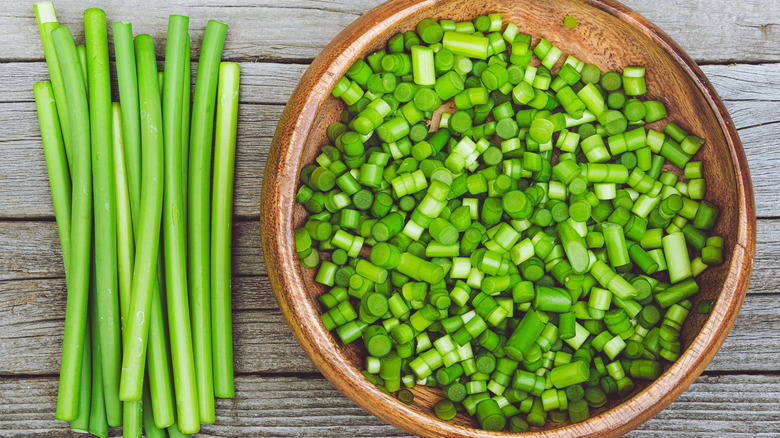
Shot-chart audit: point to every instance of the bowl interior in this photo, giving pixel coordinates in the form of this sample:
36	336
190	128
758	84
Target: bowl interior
609	41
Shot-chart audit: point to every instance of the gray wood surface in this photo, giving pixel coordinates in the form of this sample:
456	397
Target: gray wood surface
278	391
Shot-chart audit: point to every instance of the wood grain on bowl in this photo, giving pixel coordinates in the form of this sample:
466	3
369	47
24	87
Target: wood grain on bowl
608	35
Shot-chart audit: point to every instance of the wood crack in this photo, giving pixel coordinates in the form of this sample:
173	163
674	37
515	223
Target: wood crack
758	125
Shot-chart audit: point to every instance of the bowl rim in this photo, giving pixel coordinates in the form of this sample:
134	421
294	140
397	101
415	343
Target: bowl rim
278	198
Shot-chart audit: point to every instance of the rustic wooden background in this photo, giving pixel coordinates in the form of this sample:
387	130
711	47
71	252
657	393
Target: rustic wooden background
278	390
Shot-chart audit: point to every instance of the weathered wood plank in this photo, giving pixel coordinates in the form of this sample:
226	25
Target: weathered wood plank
25	187
267	30
751	92
264	406
263	344
718	406
765	262
35	309
257	31
32	250
734	82
261	82
43	297
714	406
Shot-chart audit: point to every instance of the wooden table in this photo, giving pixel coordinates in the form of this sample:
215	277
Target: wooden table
278	390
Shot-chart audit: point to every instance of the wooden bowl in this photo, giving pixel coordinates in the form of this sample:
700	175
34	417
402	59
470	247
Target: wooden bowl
608	35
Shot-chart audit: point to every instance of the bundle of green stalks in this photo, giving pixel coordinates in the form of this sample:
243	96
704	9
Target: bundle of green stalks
144	224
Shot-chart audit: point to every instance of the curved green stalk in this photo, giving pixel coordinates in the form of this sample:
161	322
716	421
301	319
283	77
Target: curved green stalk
199	211
157	355
127	84
47	21
59	181
175	232
56	163
148	232
81	225
221	224
96	36
131	410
